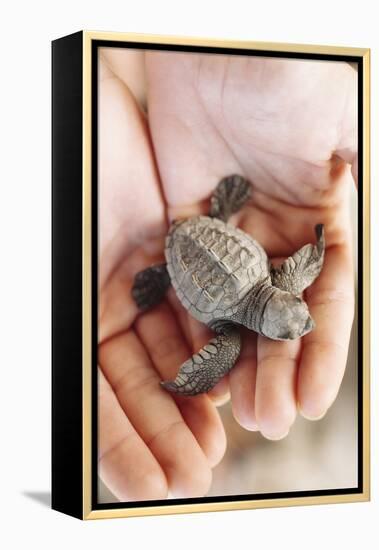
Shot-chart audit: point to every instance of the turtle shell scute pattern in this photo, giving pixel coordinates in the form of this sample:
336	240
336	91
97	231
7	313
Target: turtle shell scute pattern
212	266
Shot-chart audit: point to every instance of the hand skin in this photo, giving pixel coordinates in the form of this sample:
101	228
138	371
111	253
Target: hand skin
290	128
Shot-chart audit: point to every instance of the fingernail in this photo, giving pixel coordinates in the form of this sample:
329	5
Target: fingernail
274	436
246	421
312	417
219	400
248	425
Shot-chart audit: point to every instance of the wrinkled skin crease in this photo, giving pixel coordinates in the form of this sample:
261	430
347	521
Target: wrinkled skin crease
300	179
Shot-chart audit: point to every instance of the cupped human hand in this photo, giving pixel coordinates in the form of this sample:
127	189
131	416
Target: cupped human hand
151	444
289	126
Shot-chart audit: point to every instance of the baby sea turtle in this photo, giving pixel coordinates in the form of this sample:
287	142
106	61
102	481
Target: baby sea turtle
224	279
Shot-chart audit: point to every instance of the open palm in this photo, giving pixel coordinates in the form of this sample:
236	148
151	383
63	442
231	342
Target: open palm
287	126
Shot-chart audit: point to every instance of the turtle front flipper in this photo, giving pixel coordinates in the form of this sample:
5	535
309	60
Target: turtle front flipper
300	270
150	286
229	196
202	371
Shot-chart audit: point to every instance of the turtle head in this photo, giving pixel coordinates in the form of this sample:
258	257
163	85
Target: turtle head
285	317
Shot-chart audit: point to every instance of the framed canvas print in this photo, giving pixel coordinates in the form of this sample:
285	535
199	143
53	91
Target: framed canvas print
210	275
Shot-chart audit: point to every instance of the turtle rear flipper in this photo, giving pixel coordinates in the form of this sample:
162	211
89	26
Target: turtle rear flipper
229	196
300	270
202	371
150	286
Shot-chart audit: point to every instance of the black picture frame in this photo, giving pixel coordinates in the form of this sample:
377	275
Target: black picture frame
74	252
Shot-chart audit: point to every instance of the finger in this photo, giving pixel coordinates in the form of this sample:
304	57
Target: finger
126	464
200	336
117	308
331	303
242	381
160	333
275	396
154	415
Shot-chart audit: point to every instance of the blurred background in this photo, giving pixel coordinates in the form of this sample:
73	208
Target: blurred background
315	455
